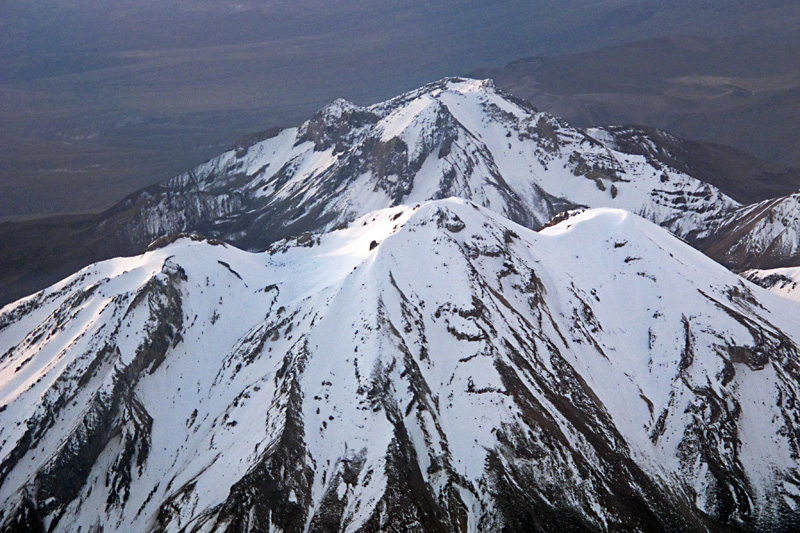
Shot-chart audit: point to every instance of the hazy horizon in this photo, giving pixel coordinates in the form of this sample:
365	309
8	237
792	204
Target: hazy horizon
98	100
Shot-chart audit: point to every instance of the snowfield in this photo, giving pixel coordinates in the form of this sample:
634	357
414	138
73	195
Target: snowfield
431	366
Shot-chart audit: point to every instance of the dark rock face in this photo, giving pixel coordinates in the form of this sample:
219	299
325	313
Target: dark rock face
742	177
772	280
334	126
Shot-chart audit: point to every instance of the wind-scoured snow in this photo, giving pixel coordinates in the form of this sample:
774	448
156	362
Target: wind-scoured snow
432	366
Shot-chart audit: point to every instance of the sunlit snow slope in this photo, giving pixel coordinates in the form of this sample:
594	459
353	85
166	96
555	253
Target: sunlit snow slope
455	137
432	367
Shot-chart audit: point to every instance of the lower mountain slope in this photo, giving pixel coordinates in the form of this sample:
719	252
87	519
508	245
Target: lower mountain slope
428	368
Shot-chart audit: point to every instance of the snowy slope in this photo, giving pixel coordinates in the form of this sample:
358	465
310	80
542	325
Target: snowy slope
761	235
432	367
455	137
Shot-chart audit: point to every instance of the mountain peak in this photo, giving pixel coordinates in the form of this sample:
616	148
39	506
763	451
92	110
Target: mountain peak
427	366
451	84
455	137
338	108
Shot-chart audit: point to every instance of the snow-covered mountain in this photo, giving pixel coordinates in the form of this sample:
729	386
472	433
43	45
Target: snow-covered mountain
761	235
431	367
456	137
